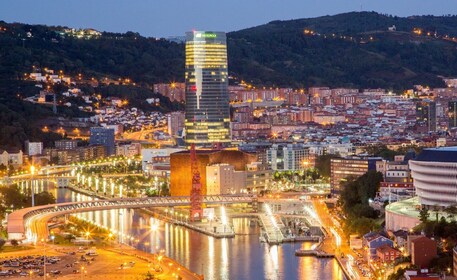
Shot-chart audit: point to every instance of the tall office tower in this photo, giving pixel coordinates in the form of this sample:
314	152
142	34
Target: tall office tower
452	113
207	99
426	114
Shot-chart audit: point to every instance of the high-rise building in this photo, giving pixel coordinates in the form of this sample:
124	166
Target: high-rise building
426	114
33	148
207	99
289	157
175	122
452	113
104	137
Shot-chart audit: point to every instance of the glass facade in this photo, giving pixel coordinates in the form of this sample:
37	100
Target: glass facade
207	100
426	114
452	112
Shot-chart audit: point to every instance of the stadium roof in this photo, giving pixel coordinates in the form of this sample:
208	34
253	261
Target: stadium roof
443	154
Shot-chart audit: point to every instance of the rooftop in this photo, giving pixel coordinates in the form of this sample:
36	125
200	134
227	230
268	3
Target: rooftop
442	154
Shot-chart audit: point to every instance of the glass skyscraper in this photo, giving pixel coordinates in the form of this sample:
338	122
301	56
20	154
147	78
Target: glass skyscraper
426	114
207	100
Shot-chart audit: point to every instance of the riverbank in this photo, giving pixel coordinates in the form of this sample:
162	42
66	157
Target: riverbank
110	262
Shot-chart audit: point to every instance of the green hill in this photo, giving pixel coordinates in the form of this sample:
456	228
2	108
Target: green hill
352	49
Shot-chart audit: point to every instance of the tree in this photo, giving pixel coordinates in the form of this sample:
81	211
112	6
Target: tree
149	276
381	150
356	192
12	197
164	190
44	198
323	164
424	215
360	226
2	243
451	211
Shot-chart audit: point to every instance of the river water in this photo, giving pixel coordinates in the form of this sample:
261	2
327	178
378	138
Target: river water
242	257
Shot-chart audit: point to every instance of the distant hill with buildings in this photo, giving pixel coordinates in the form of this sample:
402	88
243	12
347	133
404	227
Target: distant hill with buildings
358	49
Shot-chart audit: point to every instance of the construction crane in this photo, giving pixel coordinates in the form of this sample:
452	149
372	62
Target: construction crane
196	199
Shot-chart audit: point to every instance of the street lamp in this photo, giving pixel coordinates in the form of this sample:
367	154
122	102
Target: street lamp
305	169
223	217
32	171
210	218
44	258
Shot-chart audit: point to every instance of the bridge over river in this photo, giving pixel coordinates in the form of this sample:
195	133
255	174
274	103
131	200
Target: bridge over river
31	224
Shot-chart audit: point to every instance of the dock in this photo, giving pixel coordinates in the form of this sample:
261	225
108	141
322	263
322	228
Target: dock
314	253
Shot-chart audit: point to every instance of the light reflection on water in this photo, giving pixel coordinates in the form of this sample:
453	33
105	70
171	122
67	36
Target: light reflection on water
242	257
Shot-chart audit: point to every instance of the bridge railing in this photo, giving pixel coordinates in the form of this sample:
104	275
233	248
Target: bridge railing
17	220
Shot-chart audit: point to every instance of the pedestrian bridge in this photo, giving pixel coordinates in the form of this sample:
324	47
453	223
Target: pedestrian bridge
33	220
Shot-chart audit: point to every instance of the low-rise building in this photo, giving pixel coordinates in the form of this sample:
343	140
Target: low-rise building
66	144
423	251
342	168
67	156
128	149
181	176
224	179
153	157
387	254
15	157
374	240
415	275
258	177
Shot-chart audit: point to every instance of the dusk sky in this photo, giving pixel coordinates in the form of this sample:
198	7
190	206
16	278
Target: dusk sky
163	18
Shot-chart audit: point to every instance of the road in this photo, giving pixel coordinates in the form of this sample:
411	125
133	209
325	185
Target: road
336	235
141	136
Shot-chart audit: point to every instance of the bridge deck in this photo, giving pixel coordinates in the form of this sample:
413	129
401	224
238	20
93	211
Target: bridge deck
18	220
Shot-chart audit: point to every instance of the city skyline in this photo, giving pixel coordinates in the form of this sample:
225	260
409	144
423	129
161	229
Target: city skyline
322	148
148	18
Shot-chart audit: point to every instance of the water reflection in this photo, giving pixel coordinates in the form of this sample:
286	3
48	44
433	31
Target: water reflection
242	257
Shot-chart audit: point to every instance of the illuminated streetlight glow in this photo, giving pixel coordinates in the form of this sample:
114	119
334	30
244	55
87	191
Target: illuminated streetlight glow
96	184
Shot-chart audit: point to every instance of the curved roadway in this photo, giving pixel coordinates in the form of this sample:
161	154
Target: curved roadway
32	223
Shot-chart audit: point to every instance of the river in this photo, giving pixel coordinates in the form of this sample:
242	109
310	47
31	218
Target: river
242	257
